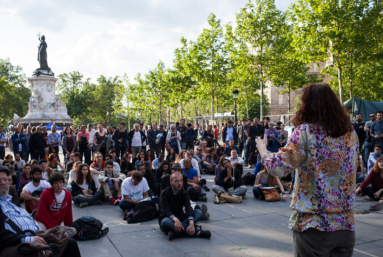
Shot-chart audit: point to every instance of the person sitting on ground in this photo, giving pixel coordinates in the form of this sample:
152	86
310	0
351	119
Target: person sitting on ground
9	237
374	156
195	157
264	179
111	180
127	167
141	157
46	172
162	171
157	162
171	156
134	189
229	148
72	176
34	163
219	167
96	167
229	177
116	166
204	148
194	163
56	206
150	178
166	180
115	158
149	154
26	177
173	220
54	163
12	175
360	169
211	160
75	158
12	189
219	151
375	178
181	156
195	189
84	190
236	161
32	191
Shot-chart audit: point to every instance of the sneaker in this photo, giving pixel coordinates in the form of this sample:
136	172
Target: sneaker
33	214
125	216
202	198
82	205
249	167
171	235
203	233
368	198
206	188
112	200
119	198
206	215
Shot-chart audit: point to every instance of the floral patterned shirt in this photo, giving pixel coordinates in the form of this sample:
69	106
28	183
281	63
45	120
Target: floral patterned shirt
324	189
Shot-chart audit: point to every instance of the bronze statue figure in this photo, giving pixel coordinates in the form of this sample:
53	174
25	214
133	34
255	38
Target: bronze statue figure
42	57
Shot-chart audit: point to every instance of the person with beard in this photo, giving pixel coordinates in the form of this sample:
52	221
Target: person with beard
173	220
56	206
54	140
32	191
359	129
9	237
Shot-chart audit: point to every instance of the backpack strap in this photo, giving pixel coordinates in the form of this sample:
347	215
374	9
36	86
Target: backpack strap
13	225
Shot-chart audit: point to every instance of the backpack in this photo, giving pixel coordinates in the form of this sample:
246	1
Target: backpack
249	179
89	228
143	211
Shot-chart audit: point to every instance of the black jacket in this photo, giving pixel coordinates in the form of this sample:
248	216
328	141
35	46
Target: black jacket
131	135
241	134
235	135
255	131
34	142
223	174
152	137
163	140
120	135
127	167
152	181
76	189
171	204
182	130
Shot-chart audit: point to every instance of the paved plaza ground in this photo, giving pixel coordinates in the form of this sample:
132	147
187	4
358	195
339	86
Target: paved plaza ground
251	228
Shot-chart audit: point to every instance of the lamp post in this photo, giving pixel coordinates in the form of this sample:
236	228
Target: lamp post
235	97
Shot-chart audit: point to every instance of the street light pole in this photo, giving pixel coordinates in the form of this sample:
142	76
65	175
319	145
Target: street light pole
235	97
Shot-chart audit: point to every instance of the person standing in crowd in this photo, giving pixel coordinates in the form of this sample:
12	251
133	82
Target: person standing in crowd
242	139
374	156
163	138
18	142
109	133
100	138
3	142
111	180
266	122
55	207
18	164
208	136
359	129
272	135
37	144
27	139
229	177
182	130
91	132
377	129
216	132
145	131
190	137
173	220
229	133
83	138
375	179
68	144
154	140
138	138
54	140
174	138
368	143
120	137
46	149
283	135
321	146
84	190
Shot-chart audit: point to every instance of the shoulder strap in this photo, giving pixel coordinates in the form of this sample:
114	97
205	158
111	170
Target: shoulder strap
10	222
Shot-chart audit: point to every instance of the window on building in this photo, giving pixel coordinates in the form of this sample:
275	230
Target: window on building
281	99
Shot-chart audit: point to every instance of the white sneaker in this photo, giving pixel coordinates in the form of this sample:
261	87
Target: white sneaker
368	198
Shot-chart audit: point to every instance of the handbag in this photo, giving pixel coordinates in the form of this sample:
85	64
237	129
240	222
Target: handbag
271	195
173	143
96	148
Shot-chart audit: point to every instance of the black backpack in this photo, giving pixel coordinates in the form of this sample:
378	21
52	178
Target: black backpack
89	228
143	211
249	179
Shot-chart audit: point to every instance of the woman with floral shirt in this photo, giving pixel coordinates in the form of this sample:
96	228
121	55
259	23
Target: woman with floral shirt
324	151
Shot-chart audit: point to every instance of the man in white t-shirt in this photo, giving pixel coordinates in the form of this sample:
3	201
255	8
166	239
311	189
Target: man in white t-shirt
32	191
134	189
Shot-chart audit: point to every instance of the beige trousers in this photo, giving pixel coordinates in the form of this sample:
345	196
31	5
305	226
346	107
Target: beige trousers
110	192
69	230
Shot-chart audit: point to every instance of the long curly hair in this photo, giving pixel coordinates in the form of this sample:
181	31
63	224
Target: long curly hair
376	168
319	105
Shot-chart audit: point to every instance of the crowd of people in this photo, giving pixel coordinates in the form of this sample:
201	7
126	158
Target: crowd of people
164	167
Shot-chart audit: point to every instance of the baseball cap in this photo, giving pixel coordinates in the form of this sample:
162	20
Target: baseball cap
176	166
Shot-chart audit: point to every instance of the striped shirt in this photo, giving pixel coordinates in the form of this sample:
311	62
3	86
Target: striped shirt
20	217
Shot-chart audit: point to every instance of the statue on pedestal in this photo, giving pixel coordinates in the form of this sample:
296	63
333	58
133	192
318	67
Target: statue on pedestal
42	57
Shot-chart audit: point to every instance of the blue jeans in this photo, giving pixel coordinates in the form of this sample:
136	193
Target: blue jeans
68	188
370	192
258	193
246	152
167	224
183	145
367	150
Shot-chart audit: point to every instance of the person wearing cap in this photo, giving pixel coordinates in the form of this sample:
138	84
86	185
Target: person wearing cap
229	133
272	135
166	180
46	171
11	238
32	191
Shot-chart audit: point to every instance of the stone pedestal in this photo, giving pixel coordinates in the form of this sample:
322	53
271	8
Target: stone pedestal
44	105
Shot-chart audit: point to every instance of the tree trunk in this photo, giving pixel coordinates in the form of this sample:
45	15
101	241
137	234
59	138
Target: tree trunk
247	106
288	96
340	85
168	119
351	80
181	116
196	115
212	107
261	109
159	114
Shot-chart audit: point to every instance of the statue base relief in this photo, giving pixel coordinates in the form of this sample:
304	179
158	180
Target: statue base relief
44	105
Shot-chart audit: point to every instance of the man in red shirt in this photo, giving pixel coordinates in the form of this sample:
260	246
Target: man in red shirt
55	206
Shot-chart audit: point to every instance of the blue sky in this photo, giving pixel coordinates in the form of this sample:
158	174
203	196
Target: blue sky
110	38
